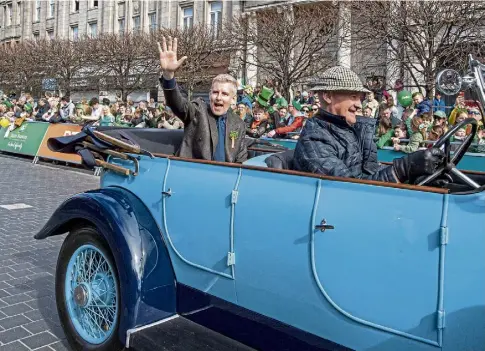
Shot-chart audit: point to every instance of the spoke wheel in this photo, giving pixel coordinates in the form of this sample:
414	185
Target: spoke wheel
87	292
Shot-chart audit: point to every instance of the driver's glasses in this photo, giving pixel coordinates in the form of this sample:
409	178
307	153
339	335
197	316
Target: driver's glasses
474	113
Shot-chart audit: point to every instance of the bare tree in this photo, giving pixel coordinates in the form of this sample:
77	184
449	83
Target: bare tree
419	38
207	54
66	61
5	59
125	63
22	68
291	44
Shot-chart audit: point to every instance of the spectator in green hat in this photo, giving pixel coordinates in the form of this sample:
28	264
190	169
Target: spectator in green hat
8	103
264	97
439	119
280	101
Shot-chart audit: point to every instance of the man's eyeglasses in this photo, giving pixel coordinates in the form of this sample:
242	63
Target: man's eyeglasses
473	113
314	109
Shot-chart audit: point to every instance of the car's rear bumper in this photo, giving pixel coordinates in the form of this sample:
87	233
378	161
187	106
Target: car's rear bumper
179	333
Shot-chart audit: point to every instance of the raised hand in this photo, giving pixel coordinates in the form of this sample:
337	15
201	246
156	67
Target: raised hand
168	57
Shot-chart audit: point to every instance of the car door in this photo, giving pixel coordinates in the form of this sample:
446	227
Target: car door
371	280
379	265
197	216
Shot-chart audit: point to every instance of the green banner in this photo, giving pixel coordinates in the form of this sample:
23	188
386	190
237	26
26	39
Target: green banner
25	139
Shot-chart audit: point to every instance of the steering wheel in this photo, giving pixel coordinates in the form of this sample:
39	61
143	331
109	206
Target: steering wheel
449	167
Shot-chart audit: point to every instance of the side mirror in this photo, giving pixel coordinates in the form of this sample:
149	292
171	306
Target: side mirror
449	82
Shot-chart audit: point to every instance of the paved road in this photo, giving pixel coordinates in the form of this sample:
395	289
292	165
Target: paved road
28	316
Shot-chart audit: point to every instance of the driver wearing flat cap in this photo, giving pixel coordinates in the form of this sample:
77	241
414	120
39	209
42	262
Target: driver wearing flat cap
337	142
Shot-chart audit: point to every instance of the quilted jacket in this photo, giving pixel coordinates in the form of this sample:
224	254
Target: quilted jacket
328	145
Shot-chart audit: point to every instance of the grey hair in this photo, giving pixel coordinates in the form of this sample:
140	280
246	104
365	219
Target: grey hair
225	78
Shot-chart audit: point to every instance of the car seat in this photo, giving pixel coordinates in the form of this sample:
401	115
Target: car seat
281	160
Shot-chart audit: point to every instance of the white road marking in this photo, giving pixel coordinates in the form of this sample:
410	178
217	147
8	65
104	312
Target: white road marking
15	206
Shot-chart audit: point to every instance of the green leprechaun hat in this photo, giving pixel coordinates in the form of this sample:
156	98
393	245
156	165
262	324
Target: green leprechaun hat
8	103
28	108
296	105
264	96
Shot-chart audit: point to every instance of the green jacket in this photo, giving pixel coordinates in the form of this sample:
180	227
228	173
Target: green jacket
107	120
414	142
385	139
120	123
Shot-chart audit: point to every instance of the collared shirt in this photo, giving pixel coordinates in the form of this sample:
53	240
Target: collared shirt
219	154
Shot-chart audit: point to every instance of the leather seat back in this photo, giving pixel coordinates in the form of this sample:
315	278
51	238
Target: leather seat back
281	160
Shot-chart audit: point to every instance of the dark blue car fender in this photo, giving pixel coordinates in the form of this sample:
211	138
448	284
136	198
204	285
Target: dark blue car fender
147	279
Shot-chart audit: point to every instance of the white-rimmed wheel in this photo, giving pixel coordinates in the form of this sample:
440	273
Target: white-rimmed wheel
88	293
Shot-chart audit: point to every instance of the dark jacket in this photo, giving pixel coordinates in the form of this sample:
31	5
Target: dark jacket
41	111
328	145
260	129
200	133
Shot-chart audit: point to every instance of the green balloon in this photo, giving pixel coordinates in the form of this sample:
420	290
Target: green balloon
405	98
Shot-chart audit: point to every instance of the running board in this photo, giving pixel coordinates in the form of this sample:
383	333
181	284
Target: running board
179	333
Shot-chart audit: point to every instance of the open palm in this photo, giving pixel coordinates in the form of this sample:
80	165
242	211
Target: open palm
168	55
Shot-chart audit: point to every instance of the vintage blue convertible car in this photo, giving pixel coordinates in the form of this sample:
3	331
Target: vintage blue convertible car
182	254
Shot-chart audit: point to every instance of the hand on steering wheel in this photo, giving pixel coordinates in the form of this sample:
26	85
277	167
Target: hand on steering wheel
450	163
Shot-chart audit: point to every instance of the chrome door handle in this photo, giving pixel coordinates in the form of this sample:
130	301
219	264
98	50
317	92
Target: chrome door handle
167	193
323	226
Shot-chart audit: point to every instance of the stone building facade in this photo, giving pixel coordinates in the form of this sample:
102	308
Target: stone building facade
73	18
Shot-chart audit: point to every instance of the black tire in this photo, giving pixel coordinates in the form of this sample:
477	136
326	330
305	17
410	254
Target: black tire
73	241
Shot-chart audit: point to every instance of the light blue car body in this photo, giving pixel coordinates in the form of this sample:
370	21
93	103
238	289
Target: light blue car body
403	268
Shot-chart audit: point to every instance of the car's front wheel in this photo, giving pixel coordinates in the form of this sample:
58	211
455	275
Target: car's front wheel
88	293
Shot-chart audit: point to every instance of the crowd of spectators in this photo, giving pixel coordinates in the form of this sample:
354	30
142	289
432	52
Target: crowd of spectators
266	114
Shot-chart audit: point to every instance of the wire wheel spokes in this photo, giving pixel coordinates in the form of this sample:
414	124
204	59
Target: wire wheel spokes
93	294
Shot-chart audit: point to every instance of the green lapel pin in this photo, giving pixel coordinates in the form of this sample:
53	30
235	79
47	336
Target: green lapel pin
233	135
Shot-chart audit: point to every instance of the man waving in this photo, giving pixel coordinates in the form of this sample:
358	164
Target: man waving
211	131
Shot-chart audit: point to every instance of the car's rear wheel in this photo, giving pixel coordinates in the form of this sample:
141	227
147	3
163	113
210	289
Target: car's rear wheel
87	292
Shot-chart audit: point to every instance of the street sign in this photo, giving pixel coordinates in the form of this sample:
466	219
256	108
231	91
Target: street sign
49	84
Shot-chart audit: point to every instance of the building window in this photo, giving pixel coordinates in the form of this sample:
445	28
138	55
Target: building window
93	4
50	34
74	33
9	15
152	17
152	6
75	6
121	26
121	9
136	6
188	17
36	36
136	24
93	29
19	12
37	11
216	18
52	7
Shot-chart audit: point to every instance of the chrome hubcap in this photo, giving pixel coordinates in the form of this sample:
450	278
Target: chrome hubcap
81	295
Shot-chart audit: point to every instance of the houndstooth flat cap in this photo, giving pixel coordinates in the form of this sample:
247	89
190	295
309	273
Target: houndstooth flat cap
340	78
